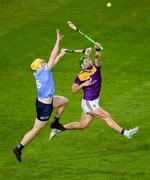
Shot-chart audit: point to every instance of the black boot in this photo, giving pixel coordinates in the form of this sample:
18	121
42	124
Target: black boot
57	126
17	153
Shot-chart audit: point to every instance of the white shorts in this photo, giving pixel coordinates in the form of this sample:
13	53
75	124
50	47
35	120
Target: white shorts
89	106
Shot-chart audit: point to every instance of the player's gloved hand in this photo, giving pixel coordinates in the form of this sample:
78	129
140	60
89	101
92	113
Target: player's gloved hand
98	46
63	52
88	51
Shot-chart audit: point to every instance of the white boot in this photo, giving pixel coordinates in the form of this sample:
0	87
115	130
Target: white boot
131	132
54	133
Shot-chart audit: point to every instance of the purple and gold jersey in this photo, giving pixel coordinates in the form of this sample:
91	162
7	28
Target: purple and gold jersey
90	92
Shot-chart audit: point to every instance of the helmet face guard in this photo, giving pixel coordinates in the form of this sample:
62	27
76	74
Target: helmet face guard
81	61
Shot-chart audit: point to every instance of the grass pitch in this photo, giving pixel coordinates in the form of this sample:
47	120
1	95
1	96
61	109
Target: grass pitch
98	153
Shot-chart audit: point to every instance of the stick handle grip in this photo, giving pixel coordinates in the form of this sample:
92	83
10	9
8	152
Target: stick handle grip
94	42
75	51
69	51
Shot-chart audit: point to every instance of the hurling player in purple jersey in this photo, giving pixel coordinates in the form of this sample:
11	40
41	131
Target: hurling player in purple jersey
46	100
89	80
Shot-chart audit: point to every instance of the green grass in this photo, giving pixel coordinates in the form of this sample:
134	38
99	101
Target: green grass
98	153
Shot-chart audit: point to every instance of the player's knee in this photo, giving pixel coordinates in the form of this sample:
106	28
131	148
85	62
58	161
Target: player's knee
107	117
83	125
65	101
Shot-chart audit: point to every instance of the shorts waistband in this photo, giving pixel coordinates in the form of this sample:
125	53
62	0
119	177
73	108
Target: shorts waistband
90	100
37	100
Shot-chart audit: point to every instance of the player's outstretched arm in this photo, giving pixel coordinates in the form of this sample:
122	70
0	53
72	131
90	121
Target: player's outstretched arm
98	54
55	50
61	54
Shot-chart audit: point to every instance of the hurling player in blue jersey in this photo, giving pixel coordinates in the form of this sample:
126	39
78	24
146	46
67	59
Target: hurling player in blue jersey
46	100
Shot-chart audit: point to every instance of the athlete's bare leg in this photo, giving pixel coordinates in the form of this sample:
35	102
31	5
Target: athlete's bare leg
38	125
102	114
87	118
59	103
84	122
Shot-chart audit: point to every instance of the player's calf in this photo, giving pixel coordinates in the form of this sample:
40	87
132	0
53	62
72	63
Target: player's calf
83	125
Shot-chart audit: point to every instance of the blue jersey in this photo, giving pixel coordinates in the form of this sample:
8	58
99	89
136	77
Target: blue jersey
44	82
